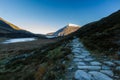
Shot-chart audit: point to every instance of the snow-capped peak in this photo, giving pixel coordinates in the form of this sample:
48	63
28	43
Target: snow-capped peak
73	25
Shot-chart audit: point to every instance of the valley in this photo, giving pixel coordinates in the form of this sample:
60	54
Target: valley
12	49
54	48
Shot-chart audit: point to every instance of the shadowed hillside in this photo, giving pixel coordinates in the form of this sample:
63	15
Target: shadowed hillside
102	36
68	29
9	30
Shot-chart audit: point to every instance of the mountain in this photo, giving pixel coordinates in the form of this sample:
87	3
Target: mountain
68	29
102	36
51	33
8	29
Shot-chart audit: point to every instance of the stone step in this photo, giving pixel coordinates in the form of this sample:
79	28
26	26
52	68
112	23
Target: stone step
82	75
99	76
95	63
108	72
89	67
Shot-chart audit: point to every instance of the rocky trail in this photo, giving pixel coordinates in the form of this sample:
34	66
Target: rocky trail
85	66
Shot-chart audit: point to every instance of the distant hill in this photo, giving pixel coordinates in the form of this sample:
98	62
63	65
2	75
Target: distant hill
102	36
51	33
68	29
8	29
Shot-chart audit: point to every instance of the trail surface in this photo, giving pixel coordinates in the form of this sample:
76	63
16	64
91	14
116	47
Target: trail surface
85	66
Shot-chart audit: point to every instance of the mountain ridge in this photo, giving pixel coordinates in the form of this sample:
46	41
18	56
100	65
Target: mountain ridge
66	30
8	29
102	36
10	24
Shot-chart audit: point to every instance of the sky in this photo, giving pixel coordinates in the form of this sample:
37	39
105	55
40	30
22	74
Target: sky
44	16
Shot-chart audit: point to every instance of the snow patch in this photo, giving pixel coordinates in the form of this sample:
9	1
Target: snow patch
73	25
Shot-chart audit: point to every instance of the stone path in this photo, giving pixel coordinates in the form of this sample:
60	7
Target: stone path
84	66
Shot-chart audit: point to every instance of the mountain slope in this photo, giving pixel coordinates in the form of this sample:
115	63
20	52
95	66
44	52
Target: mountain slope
8	29
50	34
68	29
102	36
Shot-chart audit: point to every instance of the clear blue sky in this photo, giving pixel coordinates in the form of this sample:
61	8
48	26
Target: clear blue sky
43	16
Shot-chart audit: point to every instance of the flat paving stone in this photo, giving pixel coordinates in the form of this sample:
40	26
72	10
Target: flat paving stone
70	68
81	64
99	76
104	67
117	62
88	59
81	56
89	67
109	63
85	54
108	72
75	51
82	75
77	59
95	63
117	68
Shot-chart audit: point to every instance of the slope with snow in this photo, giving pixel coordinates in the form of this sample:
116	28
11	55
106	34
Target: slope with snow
68	29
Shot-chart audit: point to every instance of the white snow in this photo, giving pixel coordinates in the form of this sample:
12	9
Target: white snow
74	25
18	40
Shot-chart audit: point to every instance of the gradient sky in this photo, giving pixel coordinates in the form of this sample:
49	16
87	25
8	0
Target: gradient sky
43	16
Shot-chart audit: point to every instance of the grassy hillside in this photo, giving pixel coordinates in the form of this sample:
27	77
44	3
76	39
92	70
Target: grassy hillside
102	36
68	29
7	25
22	47
10	30
46	63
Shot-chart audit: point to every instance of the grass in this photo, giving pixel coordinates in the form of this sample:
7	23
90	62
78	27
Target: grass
44	65
103	36
7	50
2	39
56	69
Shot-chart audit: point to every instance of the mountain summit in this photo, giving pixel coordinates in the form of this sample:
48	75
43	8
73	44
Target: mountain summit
73	25
68	29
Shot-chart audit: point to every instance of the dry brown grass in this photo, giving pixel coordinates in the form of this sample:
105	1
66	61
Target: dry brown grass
22	47
2	39
41	66
41	71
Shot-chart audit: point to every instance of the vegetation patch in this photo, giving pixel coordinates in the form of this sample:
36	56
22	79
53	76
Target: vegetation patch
103	36
47	65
